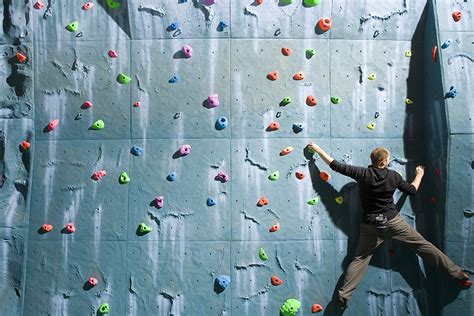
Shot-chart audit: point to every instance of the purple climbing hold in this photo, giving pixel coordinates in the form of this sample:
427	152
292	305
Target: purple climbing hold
159	200
187	51
185	150
213	100
210	2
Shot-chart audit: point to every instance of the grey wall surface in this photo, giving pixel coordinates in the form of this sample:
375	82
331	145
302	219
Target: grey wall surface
171	270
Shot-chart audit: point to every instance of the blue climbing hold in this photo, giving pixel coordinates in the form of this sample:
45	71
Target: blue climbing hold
174	79
210	201
446	44
222	25
223	281
136	151
174	26
451	93
171	176
297	128
221	123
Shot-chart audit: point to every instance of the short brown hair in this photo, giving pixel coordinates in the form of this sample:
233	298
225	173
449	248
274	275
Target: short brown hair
378	155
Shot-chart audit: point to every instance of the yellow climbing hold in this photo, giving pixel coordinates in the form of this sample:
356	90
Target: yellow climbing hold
408	101
408	53
339	200
371	125
372	76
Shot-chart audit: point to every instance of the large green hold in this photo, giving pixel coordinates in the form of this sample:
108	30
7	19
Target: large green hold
99	124
290	307
311	3
274	176
144	229
123	78
124	178
262	254
113	4
104	308
73	26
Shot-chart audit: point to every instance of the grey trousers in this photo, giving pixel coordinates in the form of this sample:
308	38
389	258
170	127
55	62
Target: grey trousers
370	238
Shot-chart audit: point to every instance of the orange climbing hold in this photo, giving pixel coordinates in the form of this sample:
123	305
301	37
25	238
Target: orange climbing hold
274	126
276	281
299	175
434	53
25	145
275	228
273	75
286	151
259	1
299	76
21	58
286	51
316	308
324	176
325	24
263	201
311	100
47	227
457	15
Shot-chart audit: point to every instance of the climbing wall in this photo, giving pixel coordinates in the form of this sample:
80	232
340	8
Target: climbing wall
169	174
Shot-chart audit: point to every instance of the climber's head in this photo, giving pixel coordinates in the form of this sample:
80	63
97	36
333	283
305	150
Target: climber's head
380	157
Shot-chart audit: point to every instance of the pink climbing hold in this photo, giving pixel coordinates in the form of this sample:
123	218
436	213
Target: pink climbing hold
137	104
210	2
39	5
159	201
185	150
70	228
87	105
222	177
274	228
99	175
113	54
213	100
187	51
92	281
87	6
53	124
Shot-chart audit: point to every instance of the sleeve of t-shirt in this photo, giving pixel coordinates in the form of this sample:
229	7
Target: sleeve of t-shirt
354	172
404	186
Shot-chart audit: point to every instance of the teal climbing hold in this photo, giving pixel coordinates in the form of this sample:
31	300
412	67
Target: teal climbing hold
113	4
311	3
123	78
124	178
290	307
104	308
313	201
144	229
99	124
262	254
73	26
336	100
274	176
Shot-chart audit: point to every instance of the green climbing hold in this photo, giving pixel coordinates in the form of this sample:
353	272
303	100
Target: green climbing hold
113	4
104	308
286	1
408	101
310	53
262	254
99	124
73	26
311	3
339	200
372	76
290	307
285	101
144	229
336	100
124	178
313	201
123	78
371	125
274	176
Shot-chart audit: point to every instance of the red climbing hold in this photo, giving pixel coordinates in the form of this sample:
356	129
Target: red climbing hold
286	51
52	125
87	6
316	308
275	228
137	104
437	172
457	15
47	227
70	228
112	54
92	281
286	151
325	24
391	252
324	176
87	105
299	175
311	100
25	145
263	201
274	126
276	281
259	1
21	58
273	75
434	53
39	5
299	76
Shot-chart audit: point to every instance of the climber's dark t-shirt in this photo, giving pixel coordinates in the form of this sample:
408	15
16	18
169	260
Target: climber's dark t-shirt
376	188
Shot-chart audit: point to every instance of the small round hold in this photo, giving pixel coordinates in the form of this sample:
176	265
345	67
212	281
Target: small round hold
185	150
299	75
324	176
273	126
275	228
371	125
46	227
221	123
87	105
286	51
112	54
372	76
187	51
137	104
311	100
92	281
457	15
171	177
325	24
87	6
316	308
70	228
273	75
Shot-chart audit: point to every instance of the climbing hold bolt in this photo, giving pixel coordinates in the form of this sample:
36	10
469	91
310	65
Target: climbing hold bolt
113	4
273	126
39	5
185	150
137	104
274	228
276	281
285	101
92	281
112	54
123	78
104	307
457	15
124	178
87	105
86	6
324	176
313	201
290	307
434	53
144	228
70	228
311	3
262	254
310	52
339	200
451	93
73	26
274	175
174	26
21	58
221	123
325	24
222	177
299	75
175	78
299	175
297	127
408	101
336	100
446	44
98	175
262	201
371	125
408	53
223	281
187	51
311	100
286	51
272	75
52	125
210	201
171	176
159	201
286	151
372	76
99	124
24	146
316	308
213	100
47	227
136	150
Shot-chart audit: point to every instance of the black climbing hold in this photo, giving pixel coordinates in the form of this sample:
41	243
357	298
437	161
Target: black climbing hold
278	114
277	32
177	115
376	33
376	114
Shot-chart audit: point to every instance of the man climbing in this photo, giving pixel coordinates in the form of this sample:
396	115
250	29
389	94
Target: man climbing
381	220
